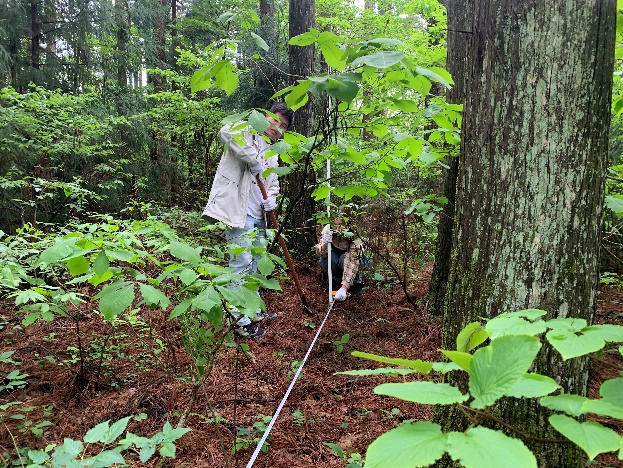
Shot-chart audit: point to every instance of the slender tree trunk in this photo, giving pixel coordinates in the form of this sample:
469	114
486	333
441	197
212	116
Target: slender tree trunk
35	26
298	184
531	180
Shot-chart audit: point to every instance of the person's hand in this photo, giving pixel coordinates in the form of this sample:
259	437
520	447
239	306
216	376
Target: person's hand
340	295
269	204
327	237
256	169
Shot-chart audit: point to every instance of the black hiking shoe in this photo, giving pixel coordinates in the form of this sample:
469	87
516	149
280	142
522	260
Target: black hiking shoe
263	315
251	331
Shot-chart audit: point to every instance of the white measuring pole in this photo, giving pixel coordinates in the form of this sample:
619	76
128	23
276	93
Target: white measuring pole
329	272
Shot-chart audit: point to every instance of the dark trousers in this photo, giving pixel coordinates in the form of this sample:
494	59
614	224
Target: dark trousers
337	267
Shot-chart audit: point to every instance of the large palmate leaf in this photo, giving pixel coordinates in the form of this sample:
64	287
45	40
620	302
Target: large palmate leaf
429	393
480	447
497	367
590	436
570	345
514	325
407	446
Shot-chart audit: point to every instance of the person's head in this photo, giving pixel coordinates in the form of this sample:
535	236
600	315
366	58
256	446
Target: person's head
285	118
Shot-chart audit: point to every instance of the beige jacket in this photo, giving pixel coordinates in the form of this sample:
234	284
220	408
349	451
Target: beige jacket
229	196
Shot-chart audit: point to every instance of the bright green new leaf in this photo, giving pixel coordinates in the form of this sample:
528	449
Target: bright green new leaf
265	265
496	368
570	404
614	202
570	345
305	39
321	192
38	456
153	296
106	434
407	446
261	43
258	121
342	89
428	393
603	407
200	81
405	105
107	458
481	447
513	325
267	283
433	76
226	79
382	59
592	437
167	450
185	252
59	251
612	391
227	17
464	360
298	97
101	264
380	371
78	265
115	298
206	299
418	365
471	336
532	386
530	314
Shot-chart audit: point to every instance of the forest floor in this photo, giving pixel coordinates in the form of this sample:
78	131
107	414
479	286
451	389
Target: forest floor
147	372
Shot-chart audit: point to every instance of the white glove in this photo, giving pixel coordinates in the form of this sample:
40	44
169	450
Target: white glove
269	204
327	237
340	295
258	168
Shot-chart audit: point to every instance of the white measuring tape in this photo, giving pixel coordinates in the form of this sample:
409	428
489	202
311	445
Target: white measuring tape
285	397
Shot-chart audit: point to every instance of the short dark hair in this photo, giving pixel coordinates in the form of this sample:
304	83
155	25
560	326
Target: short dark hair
283	110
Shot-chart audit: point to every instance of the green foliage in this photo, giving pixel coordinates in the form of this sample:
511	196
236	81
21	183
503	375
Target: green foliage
72	453
249	437
502	352
339	344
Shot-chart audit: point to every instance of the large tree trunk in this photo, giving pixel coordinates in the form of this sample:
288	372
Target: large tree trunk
531	179
35	26
297	184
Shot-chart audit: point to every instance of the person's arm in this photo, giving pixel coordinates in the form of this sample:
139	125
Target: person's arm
322	247
245	152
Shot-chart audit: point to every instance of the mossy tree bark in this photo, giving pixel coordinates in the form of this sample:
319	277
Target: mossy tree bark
530	180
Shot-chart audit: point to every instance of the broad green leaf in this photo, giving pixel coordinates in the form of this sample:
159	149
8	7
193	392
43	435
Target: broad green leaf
496	368
612	391
305	39
571	324
181	308
115	298
332	53
471	336
321	192
97	433
185	252
78	265
513	325
382	59
433	76
258	121
261	43
108	458
116	429
167	450
153	296
418	365
206	299
265	265
464	360
603	407
613	202
570	404
187	276
592	437
407	446
342	89
571	345
405	105
121	254
264	282
481	447
336	448
244	299
38	456
428	393
298	97
101	264
380	371
96	280
532	386
607	332
530	314
226	79
59	251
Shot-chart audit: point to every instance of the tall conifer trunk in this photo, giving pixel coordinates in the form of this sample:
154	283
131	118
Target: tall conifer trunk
531	180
